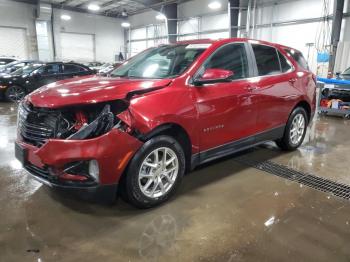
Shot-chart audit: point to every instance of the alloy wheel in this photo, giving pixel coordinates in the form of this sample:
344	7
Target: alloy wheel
297	129
158	172
16	93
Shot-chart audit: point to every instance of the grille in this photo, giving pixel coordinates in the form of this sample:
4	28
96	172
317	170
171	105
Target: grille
318	183
34	126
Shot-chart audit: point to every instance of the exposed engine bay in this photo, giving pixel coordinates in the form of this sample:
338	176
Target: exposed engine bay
74	123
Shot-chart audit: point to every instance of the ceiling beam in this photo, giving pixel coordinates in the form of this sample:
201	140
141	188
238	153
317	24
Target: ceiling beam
66	2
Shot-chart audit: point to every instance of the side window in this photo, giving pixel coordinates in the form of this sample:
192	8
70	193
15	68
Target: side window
285	64
266	60
50	69
298	57
69	68
231	57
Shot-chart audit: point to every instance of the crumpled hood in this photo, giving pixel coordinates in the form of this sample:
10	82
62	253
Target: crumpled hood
89	90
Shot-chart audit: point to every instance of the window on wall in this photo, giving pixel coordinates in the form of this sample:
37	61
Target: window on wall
231	57
266	60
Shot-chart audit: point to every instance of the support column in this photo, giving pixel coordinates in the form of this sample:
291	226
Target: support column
336	28
170	11
233	9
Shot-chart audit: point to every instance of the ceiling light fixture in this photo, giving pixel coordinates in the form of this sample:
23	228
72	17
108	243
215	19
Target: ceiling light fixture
125	24
214	5
93	7
66	17
160	16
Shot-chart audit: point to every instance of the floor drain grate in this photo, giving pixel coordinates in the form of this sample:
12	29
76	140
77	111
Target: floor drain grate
319	183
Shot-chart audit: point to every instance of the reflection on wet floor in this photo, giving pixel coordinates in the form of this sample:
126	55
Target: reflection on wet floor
224	211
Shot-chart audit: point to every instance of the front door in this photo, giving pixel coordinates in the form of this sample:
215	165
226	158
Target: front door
45	75
227	111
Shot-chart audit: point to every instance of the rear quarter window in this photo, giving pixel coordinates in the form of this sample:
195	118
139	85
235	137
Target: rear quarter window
298	57
267	60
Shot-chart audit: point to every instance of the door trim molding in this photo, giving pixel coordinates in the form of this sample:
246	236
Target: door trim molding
236	146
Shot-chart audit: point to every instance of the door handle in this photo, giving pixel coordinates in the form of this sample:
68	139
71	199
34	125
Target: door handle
292	80
251	88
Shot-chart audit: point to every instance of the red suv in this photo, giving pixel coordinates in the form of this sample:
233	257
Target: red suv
162	113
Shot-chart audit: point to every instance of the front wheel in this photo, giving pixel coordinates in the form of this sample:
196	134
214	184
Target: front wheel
15	93
295	130
155	172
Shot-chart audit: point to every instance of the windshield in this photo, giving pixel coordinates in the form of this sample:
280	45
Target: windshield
161	62
26	69
346	72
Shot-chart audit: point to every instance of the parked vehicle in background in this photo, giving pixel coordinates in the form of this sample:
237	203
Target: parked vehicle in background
345	75
15	65
6	60
14	86
107	70
165	111
94	65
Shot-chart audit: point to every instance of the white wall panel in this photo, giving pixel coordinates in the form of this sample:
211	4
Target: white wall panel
109	35
137	47
13	42
188	26
215	22
343	57
77	47
22	16
215	36
139	33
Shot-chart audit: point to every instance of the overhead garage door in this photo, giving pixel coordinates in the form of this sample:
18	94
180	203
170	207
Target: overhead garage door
77	47
13	42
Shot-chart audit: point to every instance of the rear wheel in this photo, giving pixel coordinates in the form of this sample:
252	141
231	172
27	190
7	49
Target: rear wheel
15	93
295	130
155	172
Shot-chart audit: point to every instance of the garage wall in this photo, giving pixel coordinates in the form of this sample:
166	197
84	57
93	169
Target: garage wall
77	47
107	33
18	16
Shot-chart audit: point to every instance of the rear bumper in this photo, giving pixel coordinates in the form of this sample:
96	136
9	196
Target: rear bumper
112	151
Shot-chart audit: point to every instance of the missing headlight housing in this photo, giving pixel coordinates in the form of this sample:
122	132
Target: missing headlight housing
102	124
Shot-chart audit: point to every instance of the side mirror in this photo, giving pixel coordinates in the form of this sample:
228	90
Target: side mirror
214	76
337	74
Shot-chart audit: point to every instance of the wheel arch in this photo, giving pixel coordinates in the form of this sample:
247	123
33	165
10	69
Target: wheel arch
304	104
177	132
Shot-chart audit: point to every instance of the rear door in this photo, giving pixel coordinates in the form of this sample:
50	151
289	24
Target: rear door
276	92
226	110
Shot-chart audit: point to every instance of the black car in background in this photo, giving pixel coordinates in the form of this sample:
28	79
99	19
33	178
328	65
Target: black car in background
14	86
6	60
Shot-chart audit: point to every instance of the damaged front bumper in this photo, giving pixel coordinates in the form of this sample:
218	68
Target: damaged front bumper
48	163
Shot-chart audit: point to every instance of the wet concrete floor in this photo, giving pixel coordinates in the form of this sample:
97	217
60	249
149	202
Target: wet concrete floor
224	211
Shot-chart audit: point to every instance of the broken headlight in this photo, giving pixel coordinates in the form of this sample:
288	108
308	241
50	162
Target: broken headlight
103	123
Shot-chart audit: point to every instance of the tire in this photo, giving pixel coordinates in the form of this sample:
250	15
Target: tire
289	142
15	93
135	189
